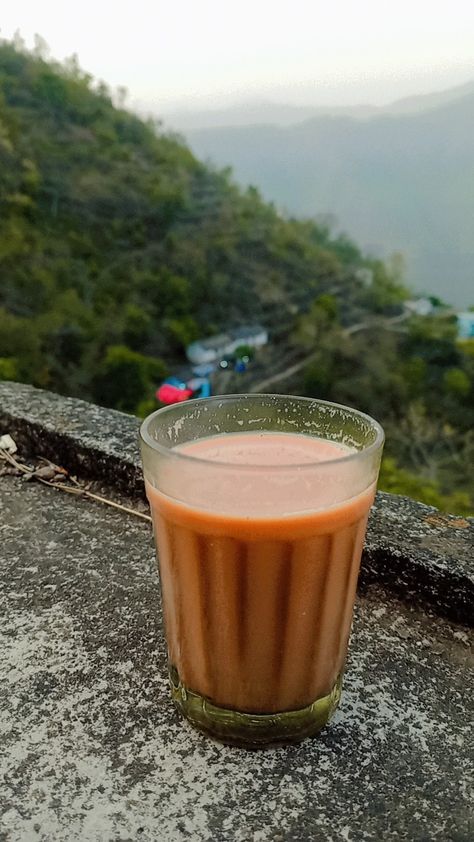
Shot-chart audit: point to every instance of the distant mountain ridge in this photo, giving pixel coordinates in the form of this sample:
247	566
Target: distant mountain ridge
398	180
425	102
284	114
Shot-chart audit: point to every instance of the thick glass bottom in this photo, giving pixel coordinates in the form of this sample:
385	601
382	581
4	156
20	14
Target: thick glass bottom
251	730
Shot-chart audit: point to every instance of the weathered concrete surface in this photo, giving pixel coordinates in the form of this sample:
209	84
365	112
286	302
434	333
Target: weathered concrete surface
422	554
413	549
91	748
93	441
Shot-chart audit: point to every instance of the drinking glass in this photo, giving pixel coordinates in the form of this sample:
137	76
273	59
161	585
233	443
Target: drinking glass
259	556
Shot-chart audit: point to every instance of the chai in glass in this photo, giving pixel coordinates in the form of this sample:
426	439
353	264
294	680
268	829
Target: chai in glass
260	506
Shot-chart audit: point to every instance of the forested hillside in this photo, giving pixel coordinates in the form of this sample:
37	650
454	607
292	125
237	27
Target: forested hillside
118	247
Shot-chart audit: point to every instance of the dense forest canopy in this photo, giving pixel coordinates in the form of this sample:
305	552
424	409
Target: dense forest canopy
118	248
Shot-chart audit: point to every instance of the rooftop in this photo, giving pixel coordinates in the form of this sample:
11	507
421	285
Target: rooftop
92	746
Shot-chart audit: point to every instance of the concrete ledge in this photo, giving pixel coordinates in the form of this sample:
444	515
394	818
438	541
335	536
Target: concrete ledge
93	441
422	555
415	550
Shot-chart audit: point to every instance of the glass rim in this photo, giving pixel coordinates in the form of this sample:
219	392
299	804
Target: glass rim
186	458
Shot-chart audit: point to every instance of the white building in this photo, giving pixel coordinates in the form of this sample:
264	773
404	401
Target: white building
419	306
216	347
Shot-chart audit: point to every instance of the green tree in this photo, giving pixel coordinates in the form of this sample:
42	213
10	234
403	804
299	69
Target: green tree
8	368
456	382
125	378
398	480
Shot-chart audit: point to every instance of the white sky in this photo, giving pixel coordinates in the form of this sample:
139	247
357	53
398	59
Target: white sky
206	52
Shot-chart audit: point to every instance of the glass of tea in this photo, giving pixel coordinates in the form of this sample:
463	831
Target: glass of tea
259	506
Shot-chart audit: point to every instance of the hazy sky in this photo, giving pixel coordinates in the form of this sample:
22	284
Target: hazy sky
206	52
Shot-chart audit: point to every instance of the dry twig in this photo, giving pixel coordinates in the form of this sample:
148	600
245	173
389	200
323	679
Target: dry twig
61	472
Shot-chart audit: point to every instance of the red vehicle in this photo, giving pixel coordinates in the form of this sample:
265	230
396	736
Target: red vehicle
167	393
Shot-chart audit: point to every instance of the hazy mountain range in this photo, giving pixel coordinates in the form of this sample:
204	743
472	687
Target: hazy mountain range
396	178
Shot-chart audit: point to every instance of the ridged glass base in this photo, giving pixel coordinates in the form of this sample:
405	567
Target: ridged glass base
253	730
